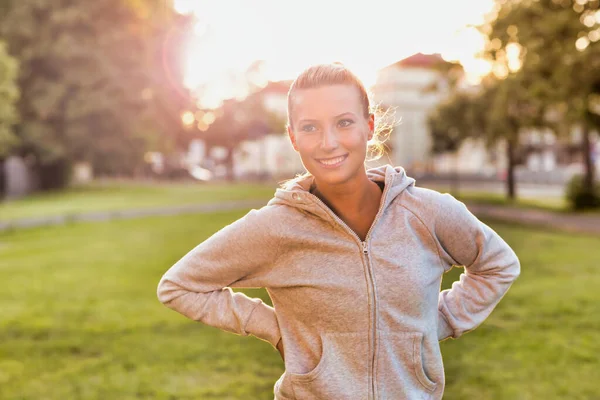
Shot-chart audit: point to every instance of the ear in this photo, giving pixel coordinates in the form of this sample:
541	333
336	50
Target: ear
371	122
292	137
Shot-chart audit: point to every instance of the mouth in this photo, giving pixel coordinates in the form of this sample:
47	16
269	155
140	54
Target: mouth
333	161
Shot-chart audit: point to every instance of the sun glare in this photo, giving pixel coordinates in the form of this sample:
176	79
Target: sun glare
230	35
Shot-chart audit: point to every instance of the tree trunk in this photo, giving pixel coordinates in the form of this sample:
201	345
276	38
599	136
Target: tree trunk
264	169
510	173
229	164
586	148
2	179
455	182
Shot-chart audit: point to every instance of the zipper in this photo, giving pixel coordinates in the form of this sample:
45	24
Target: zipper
374	324
365	250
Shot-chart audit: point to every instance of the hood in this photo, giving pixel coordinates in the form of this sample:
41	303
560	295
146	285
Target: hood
298	195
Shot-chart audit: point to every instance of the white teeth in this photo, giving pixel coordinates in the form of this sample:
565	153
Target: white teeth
332	161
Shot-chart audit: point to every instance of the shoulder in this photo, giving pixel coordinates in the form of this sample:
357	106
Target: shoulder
269	218
255	229
423	200
433	207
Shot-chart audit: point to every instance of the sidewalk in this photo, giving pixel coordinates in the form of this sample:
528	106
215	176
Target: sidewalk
98	216
575	223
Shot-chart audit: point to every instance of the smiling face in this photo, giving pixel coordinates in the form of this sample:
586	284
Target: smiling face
329	129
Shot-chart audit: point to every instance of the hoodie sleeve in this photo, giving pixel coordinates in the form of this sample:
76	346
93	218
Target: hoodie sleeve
239	255
491	267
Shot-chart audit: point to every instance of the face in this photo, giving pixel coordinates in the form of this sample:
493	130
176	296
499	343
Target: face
330	132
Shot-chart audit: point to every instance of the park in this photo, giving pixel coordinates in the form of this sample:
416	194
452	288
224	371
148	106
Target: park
127	139
80	318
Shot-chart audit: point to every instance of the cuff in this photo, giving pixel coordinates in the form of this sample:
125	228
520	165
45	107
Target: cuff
263	324
444	329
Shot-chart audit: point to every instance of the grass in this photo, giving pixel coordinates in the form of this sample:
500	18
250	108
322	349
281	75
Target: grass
113	196
541	203
80	320
541	341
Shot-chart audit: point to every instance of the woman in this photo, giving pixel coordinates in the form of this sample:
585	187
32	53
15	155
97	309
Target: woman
352	260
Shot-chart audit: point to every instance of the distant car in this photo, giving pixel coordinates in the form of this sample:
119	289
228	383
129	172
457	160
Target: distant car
199	173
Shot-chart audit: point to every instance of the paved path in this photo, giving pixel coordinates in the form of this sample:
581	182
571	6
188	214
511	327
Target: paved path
97	216
576	223
524	190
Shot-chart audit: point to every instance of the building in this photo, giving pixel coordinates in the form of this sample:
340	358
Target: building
273	154
414	86
411	88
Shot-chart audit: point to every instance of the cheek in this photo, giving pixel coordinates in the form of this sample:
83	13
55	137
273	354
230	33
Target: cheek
357	140
306	145
306	151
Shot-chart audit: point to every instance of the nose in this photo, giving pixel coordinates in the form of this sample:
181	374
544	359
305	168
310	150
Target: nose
329	139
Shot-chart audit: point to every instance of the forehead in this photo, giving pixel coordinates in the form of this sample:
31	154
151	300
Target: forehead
326	101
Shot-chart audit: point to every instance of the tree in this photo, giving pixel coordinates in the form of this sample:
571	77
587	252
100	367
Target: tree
238	121
449	125
496	111
557	42
9	94
97	81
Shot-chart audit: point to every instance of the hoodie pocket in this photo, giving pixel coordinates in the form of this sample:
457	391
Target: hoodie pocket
400	371
342	371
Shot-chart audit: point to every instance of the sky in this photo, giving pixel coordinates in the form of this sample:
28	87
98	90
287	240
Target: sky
290	35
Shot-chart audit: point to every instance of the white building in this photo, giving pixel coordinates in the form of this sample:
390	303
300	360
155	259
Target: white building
413	87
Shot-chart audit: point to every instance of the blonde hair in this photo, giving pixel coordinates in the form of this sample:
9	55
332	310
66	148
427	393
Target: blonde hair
336	73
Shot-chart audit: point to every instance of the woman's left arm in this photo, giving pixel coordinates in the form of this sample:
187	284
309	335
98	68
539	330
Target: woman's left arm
491	267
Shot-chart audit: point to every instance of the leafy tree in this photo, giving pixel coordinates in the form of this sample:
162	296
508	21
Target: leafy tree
98	80
496	111
238	121
9	93
559	53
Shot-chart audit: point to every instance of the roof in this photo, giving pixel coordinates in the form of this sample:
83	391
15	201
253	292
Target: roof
420	60
278	87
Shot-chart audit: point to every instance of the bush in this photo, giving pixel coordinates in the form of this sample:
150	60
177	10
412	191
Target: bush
579	197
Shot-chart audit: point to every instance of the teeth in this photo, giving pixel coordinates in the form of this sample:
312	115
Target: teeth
332	161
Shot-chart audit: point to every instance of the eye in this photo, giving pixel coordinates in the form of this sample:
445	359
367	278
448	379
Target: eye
344	123
308	128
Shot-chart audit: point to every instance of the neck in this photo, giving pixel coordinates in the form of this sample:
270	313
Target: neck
351	196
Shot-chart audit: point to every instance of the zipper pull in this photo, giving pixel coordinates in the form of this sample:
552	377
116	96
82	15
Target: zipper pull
365	249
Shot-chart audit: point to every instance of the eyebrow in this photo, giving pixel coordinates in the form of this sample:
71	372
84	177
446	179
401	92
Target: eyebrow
314	120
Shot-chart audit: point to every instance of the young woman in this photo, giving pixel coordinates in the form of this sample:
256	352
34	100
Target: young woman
352	260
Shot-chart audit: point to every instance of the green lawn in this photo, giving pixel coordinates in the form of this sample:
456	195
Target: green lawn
80	320
112	196
549	204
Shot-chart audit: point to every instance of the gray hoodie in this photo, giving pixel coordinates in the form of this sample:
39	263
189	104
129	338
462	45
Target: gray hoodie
358	320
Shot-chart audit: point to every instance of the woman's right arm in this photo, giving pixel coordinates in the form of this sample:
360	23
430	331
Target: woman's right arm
198	285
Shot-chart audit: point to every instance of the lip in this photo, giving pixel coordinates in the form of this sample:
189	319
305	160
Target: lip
333	165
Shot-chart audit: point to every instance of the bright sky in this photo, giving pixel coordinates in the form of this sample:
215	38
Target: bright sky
290	35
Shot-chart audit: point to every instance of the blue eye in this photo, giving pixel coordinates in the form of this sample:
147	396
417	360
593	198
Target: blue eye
308	128
344	123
